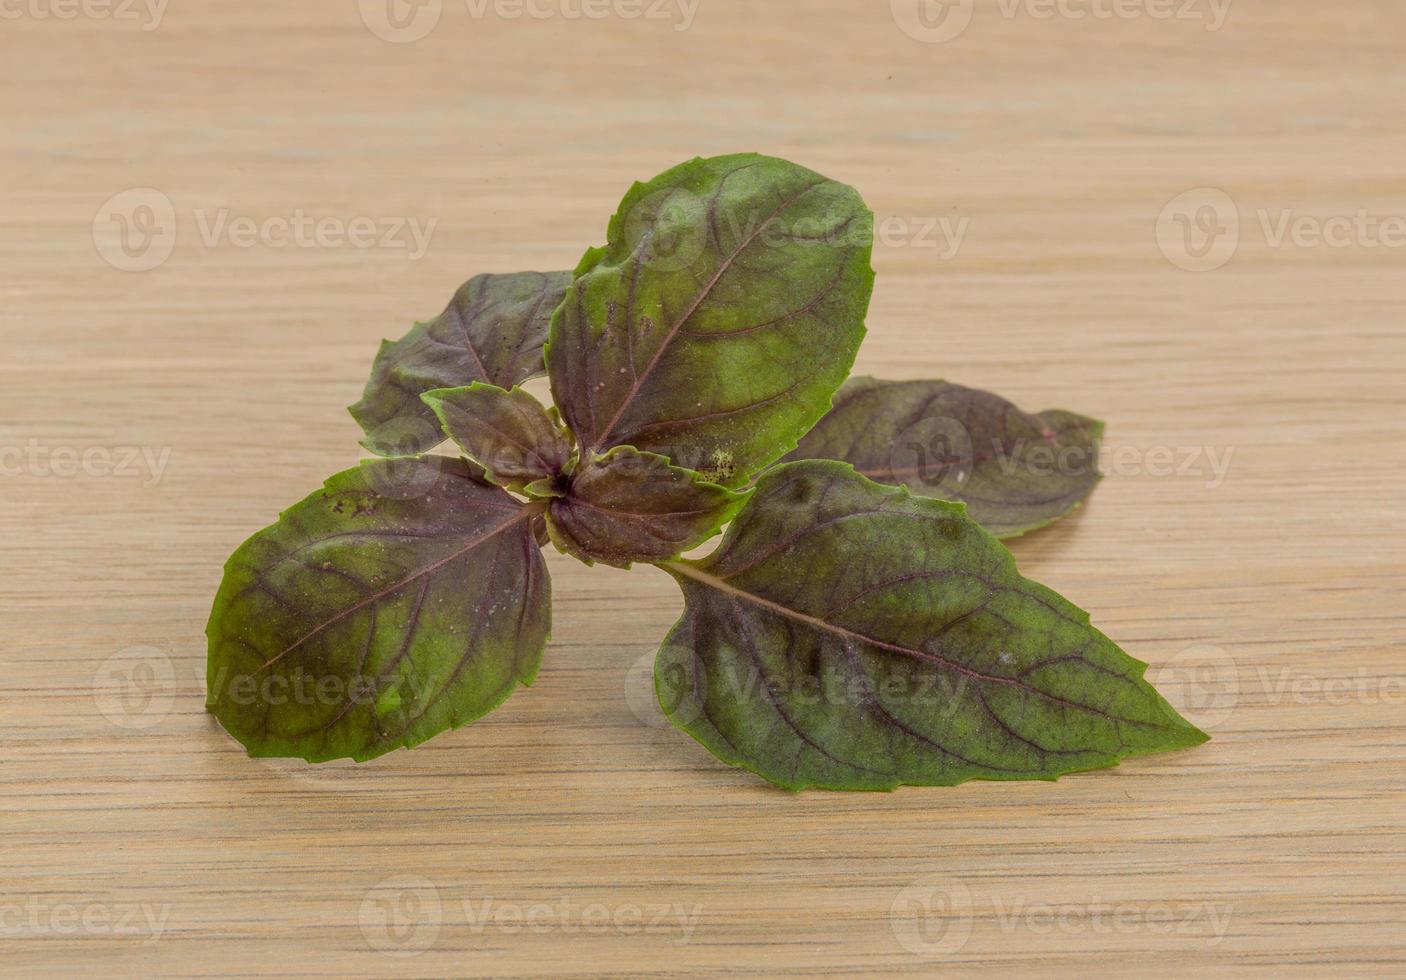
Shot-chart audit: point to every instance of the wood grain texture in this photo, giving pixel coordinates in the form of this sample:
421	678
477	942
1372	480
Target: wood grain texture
1267	598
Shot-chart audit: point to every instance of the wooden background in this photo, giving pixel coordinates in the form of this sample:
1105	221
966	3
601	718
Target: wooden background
1267	596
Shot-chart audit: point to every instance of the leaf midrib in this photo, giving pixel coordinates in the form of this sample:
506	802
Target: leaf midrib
521	515
640	378
712	581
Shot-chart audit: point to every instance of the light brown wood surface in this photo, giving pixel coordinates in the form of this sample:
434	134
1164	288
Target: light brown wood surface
1267	598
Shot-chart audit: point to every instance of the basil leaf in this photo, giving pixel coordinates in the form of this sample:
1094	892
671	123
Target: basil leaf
720	317
400	600
848	635
1015	472
493	330
508	432
628	506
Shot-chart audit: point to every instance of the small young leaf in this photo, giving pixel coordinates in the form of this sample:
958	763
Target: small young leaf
508	432
720	317
848	635
402	599
1016	472
493	330
629	506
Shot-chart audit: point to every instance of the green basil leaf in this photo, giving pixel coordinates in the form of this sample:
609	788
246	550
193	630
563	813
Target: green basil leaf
720	317
509	432
400	600
848	635
629	506
1015	471
493	330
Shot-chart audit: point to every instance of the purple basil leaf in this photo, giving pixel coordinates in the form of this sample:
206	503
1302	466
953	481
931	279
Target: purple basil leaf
492	331
1015	471
400	600
520	443
849	635
628	506
720	317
